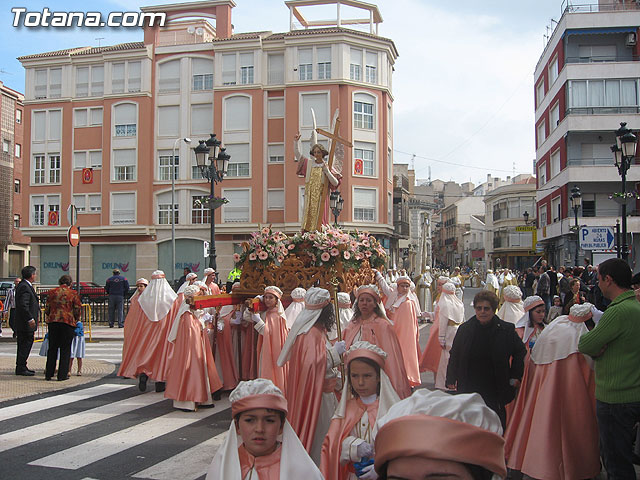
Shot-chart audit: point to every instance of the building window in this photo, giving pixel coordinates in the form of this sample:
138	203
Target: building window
364	205
124	165
555	209
237	113
275	67
16	186
363	115
305	63
134	76
602	96
16	220
90	81
201	119
324	63
125	120
275	108
18	150
54	168
229	69
589	207
246	68
239	161
553	71
554	116
541	133
355	65
41	205
6	146
48	83
238	208
87	117
319	102
542	174
169	77
164	214
18	116
164	166
200	213
39	168
371	68
275	153
123	208
126	76
275	199
389	208
366	153
169	121
94	159
540	92
542	215
555	163
202	72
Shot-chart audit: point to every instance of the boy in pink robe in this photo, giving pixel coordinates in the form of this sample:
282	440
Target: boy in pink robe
272	327
402	308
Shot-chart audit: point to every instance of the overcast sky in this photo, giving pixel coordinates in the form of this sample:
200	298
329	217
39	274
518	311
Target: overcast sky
463	84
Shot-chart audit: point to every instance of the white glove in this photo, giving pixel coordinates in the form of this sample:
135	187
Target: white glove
236	319
207	318
255	318
596	314
443	342
340	347
246	315
369	473
365	450
220	325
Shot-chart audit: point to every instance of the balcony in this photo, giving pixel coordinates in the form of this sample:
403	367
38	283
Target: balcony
401	229
603	110
569	7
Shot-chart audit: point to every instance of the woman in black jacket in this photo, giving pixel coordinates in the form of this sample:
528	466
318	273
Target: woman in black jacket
487	356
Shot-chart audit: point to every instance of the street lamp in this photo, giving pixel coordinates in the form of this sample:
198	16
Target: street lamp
186	140
336	202
576	202
624	151
526	215
213	167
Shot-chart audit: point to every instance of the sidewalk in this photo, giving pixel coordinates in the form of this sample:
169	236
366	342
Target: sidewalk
13	386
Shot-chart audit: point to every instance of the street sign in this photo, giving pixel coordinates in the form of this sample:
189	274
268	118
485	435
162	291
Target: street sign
528	228
206	249
539	247
73	235
597	238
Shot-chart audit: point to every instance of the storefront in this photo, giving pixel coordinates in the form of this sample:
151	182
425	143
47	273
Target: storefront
189	254
54	262
106	258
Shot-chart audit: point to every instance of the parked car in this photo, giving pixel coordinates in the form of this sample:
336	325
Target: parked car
5	285
89	292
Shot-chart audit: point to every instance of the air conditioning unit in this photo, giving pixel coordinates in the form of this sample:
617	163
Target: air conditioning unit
631	40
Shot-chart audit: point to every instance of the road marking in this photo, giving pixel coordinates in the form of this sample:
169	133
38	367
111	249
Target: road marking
58	400
191	464
50	428
87	453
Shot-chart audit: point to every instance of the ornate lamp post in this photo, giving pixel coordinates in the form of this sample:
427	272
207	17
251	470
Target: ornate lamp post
576	203
336	203
213	168
525	215
624	151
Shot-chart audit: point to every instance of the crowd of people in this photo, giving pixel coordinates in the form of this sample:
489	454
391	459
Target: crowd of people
530	384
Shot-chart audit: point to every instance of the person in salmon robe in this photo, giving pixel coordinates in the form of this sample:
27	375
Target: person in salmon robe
192	375
312	378
370	324
367	394
344	314
430	358
260	443
402	307
449	316
272	327
296	306
210	281
553	432
512	309
145	349
226	352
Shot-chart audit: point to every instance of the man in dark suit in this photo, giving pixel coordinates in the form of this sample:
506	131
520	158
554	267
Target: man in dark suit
26	321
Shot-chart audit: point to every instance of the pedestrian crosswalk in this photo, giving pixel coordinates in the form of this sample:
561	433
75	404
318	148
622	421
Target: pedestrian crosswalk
107	351
110	431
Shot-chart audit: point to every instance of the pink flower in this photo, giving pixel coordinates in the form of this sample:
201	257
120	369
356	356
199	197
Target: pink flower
325	257
312	236
335	252
367	253
252	257
280	258
359	256
265	230
236	257
365	242
291	246
263	255
346	255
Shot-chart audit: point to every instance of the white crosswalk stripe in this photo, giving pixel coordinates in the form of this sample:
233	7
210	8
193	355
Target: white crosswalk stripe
75	430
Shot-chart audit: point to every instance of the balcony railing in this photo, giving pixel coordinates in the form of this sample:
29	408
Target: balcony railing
590	162
602	110
603	59
571	7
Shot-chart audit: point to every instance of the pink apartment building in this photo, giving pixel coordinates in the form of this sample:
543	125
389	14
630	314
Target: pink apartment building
101	124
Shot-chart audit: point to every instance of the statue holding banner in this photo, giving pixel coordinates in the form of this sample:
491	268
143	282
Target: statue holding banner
320	174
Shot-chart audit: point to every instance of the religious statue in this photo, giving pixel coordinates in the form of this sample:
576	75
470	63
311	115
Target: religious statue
320	174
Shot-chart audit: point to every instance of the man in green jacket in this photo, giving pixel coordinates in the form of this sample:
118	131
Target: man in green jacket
615	346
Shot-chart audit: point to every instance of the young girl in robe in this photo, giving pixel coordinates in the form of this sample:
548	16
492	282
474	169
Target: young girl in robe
260	443
366	396
272	327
